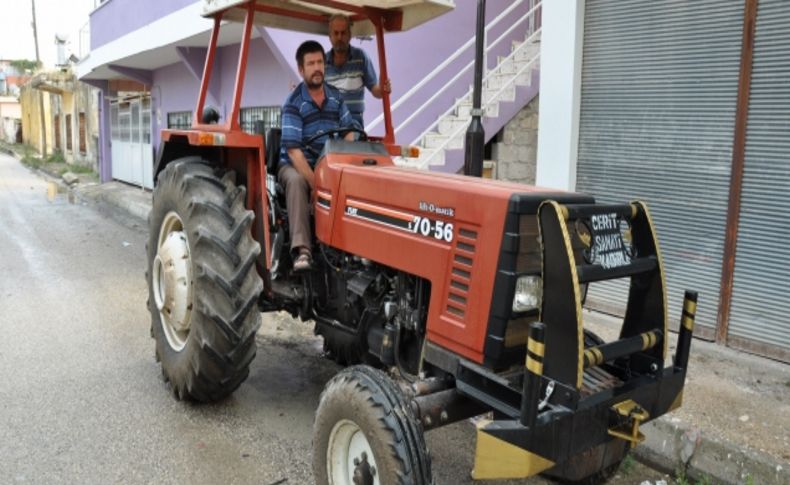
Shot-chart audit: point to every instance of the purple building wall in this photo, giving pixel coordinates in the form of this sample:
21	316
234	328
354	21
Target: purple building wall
107	23
175	88
266	83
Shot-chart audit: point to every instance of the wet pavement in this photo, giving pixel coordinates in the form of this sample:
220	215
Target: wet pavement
83	400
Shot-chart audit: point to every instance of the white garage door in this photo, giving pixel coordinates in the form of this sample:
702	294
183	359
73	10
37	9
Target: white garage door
659	90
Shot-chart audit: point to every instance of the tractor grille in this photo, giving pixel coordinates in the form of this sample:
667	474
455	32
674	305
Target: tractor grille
461	272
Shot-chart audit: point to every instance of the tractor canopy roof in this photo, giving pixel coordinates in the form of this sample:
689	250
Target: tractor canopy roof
311	15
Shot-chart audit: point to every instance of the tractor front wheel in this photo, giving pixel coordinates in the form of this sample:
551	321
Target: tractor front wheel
203	285
366	434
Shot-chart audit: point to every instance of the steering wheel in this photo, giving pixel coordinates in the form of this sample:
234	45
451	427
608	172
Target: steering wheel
335	133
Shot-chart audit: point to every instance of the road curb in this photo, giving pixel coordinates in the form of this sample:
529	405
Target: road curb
132	201
671	446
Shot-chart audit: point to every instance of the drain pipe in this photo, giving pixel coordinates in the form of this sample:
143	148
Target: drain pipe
474	146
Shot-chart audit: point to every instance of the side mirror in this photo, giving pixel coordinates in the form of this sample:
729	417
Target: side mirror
210	115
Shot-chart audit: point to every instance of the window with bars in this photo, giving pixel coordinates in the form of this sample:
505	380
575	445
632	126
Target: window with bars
270	115
83	134
179	120
68	133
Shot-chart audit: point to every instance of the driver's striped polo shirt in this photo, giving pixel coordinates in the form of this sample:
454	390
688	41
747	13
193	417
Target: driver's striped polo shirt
302	118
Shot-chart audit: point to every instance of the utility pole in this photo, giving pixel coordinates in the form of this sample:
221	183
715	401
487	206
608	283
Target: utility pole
35	32
40	93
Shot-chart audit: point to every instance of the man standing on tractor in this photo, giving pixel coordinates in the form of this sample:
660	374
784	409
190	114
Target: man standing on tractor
349	69
312	108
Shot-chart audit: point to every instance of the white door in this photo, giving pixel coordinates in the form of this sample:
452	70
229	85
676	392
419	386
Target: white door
132	152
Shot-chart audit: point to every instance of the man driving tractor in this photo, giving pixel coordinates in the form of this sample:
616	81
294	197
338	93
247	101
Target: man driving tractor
311	108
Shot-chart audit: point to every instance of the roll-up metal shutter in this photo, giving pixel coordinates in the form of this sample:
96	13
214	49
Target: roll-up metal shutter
658	99
760	310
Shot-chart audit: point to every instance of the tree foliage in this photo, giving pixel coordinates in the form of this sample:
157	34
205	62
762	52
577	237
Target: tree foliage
23	65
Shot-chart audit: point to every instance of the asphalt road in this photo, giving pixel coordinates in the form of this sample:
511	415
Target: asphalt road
81	396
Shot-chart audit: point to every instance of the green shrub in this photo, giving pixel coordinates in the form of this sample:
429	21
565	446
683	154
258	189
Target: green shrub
56	157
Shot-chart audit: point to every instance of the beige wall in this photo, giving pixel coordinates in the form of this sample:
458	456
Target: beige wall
31	118
66	96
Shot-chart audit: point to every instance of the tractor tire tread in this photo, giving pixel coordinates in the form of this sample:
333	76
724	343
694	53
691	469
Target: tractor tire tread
407	460
226	285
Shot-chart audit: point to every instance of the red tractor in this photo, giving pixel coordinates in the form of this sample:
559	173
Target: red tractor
447	296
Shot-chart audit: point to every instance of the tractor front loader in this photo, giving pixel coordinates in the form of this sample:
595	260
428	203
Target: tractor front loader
446	296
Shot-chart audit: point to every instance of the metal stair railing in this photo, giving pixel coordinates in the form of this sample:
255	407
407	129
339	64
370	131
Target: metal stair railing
462	71
530	15
492	99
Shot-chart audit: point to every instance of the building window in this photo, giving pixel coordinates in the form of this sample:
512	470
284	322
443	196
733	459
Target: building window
68	133
58	146
270	115
83	134
179	120
124	122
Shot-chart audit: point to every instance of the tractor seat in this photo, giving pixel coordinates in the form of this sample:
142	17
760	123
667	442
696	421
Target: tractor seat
271	142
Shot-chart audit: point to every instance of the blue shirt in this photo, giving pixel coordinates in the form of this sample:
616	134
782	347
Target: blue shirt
303	118
356	74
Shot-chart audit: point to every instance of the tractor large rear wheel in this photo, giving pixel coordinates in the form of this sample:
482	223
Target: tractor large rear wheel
203	285
366	434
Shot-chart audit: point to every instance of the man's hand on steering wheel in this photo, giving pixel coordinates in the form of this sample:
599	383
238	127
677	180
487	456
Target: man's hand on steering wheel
334	133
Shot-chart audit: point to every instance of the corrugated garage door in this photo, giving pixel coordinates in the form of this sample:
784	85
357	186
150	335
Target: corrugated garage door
659	89
761	288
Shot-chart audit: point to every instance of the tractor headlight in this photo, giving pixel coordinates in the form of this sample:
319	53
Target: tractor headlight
529	293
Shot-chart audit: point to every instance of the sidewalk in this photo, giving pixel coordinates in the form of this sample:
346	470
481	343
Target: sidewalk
733	426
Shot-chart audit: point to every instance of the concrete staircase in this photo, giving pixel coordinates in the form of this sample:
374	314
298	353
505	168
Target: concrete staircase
511	84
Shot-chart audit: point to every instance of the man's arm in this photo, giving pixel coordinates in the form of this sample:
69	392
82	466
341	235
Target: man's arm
378	90
292	141
347	121
300	163
371	80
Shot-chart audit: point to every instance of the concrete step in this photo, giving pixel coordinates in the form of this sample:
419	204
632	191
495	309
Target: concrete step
497	81
427	157
535	41
527	52
436	140
449	124
486	95
418	163
494	95
505	65
511	66
464	109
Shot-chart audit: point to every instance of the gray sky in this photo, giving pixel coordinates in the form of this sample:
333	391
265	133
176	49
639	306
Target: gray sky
54	16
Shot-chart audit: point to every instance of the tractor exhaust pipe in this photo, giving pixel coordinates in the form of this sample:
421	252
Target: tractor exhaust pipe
474	146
